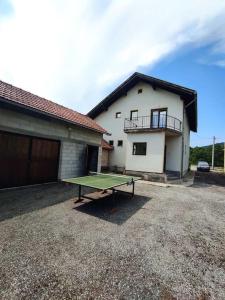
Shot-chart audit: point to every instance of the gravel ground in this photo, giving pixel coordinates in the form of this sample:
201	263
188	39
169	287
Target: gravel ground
165	243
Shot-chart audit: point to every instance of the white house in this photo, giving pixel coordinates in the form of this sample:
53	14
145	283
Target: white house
150	121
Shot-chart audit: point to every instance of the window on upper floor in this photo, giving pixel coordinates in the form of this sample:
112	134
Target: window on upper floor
120	143
134	114
139	91
139	148
159	118
111	142
118	115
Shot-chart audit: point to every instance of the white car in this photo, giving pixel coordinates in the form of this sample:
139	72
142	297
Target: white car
203	166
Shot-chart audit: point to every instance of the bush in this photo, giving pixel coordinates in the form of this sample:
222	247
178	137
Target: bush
205	153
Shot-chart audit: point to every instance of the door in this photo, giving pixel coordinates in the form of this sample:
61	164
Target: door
164	165
92	158
162	118
27	160
14	160
43	161
159	118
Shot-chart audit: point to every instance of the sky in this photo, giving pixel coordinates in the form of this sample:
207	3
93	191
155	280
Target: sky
77	52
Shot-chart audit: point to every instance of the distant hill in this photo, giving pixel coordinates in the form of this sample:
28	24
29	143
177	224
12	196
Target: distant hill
205	153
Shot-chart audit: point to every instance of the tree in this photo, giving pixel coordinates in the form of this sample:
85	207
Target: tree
205	153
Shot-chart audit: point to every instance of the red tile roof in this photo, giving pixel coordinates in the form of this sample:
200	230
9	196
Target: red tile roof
105	145
28	100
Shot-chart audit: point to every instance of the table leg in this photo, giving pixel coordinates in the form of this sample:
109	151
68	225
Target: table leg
133	188
79	195
113	194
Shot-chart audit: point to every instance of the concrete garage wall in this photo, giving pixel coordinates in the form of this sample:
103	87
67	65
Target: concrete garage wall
21	123
72	159
99	159
73	138
105	158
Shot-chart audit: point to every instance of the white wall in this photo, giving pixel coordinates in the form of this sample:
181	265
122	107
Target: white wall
153	160
173	153
115	126
144	102
174	149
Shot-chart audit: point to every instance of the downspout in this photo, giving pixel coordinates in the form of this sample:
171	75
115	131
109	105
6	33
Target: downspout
182	155
182	147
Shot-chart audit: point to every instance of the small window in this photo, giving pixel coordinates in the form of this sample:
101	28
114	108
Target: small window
139	148
111	143
133	114
139	91
118	115
120	143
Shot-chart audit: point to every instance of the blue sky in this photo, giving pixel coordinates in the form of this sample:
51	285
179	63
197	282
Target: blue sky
76	52
196	68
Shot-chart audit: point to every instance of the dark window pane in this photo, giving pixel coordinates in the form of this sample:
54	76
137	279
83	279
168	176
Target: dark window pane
111	143
139	148
120	143
133	114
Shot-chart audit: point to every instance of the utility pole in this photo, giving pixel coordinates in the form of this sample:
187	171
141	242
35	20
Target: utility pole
213	151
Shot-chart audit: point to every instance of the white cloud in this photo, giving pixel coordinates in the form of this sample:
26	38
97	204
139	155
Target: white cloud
220	63
74	51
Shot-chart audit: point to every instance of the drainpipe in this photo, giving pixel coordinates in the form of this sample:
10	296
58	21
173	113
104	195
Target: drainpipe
182	154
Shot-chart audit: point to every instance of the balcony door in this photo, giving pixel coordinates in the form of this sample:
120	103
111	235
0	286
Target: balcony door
134	121
159	118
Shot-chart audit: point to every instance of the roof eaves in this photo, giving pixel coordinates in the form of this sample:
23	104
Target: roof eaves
30	108
167	83
186	94
151	80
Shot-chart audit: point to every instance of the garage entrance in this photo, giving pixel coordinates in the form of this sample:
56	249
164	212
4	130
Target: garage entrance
27	160
92	158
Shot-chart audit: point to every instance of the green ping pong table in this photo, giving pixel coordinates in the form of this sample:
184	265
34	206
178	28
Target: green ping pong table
101	181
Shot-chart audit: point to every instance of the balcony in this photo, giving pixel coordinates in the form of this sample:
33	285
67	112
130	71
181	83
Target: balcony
155	123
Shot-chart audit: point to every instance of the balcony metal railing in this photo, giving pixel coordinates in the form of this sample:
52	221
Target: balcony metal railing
154	122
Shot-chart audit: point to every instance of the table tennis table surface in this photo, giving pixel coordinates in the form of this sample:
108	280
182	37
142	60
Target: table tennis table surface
102	181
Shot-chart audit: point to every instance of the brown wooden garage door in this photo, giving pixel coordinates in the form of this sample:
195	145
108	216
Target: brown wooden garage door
27	160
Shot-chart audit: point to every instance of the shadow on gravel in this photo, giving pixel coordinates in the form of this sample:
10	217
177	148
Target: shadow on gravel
115	210
20	201
200	185
209	178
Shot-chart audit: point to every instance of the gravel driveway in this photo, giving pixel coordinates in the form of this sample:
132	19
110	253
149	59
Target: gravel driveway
165	243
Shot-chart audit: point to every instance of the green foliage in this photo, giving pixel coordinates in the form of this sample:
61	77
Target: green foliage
205	153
